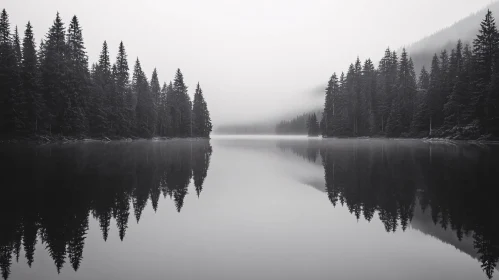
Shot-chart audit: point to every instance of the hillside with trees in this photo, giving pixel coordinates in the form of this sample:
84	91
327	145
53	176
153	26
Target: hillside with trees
456	97
50	91
445	39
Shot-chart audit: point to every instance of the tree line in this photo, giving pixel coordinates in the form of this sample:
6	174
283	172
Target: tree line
297	125
457	98
98	180
51	90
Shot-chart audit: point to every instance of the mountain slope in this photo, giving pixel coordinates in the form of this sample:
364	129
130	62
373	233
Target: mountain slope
465	29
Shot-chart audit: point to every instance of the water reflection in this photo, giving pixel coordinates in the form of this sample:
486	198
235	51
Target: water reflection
455	185
49	192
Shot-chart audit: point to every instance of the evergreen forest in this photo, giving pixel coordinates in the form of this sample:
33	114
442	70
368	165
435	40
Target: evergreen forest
456	97
51	90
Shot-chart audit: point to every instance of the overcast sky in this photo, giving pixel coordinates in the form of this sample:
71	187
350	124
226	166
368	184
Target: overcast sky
253	58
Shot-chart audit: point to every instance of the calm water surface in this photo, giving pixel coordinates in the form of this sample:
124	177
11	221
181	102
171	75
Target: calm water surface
250	208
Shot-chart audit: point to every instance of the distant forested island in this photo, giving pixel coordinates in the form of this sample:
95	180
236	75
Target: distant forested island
458	98
50	91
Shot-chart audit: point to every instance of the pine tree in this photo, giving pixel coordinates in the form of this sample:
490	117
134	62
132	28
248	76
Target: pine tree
104	64
406	90
493	100
155	87
17	46
434	96
184	111
78	80
467	77
171	111
454	106
155	92
485	50
350	100
124	101
53	73
201	121
101	120
330	106
420	125
163	119
492	94
445	85
340	124
369	106
145	111
388	68
357	103
11	118
35	106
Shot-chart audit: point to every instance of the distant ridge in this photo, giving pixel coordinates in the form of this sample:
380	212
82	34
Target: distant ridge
465	29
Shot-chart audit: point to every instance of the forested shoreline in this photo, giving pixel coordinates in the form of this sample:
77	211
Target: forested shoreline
457	99
50	91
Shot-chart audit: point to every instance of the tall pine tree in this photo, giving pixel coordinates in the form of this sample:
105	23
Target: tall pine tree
485	50
144	111
10	101
17	46
34	106
102	95
369	99
78	79
124	101
434	96
155	92
420	125
183	111
454	106
163	118
201	121
406	90
53	73
330	106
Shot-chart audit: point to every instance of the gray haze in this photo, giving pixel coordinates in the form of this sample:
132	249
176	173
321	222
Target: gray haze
254	59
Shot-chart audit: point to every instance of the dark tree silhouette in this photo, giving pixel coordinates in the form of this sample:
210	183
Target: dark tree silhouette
34	107
201	121
52	91
10	95
458	99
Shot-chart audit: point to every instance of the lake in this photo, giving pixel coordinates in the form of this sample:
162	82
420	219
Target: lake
250	207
